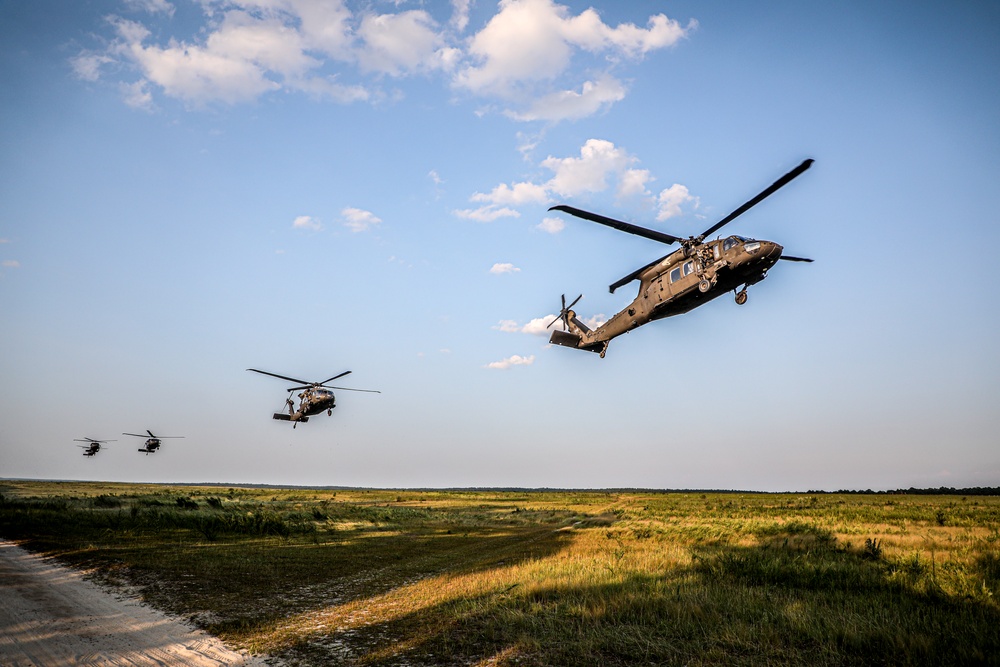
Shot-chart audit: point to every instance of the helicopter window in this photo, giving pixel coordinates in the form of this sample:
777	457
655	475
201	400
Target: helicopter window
688	267
729	243
675	275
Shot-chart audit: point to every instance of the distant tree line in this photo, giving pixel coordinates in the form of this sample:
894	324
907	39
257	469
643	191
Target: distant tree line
940	491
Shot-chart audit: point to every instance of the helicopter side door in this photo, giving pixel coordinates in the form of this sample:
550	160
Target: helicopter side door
683	277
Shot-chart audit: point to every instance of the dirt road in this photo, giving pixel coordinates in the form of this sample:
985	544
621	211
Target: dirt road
51	617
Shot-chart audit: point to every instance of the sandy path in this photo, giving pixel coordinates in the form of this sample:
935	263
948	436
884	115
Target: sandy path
51	617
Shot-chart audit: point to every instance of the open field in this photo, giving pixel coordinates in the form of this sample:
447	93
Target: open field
366	577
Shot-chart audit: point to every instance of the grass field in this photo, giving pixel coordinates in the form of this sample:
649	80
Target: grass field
366	577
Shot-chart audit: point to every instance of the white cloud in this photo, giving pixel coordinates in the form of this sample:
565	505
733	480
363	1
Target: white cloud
151	6
570	105
137	95
218	71
516	360
460	14
11	264
529	45
540	325
87	65
599	166
526	58
504	268
487	213
536	327
508	326
307	222
551	225
358	220
516	195
598	160
399	43
670	201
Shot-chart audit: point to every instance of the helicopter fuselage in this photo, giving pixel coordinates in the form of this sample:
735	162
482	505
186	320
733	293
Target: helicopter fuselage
312	401
150	446
680	282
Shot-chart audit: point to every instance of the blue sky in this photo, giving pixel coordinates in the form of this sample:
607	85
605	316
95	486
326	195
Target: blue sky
190	189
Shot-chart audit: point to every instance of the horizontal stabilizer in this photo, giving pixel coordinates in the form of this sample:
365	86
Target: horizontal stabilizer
281	416
564	338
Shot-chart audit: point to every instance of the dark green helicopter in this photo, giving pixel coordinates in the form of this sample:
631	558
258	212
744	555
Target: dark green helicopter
692	275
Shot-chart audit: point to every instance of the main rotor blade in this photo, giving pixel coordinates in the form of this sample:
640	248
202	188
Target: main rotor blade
370	391
767	192
281	377
635	274
335	377
795	259
662	237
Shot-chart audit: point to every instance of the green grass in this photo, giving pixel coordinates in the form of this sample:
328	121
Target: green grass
542	578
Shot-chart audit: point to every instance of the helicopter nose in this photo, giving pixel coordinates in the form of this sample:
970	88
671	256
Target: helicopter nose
772	250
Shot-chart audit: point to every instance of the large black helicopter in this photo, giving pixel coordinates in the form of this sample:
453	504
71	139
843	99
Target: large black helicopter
153	442
696	273
315	397
92	446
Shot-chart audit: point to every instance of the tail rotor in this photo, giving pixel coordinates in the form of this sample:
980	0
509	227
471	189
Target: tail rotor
564	313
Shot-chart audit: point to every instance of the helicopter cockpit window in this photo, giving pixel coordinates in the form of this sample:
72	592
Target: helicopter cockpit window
730	242
675	275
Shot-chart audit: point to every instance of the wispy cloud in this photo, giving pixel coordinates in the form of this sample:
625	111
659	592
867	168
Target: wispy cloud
307	222
359	220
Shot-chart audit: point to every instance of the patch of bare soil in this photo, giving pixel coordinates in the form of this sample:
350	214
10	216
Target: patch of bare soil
51	616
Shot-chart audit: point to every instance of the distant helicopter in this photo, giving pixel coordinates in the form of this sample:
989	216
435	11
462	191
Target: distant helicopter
696	273
92	446
314	399
153	443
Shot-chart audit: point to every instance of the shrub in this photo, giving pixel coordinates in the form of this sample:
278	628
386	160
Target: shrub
873	549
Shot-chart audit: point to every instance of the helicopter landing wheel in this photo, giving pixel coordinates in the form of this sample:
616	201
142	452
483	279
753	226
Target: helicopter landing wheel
704	286
741	297
329	413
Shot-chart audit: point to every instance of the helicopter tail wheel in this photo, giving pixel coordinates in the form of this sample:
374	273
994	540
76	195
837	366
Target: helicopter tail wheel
329	413
741	297
704	286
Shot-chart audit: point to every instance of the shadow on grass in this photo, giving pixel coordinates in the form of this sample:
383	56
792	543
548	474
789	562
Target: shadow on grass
795	598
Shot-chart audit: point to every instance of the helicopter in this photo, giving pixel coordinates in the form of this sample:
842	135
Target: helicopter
153	442
92	446
688	277
314	399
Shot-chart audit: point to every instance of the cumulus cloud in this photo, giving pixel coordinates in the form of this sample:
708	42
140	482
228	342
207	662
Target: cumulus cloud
600	166
536	327
534	60
551	225
516	360
358	220
504	268
670	200
527	49
397	44
307	222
